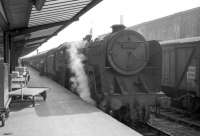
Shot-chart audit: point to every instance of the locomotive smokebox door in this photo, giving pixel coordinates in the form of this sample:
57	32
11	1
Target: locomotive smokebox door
127	52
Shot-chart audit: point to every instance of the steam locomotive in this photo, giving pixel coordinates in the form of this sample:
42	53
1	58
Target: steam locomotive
123	69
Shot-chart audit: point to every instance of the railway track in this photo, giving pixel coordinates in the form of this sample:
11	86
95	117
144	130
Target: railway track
149	130
146	129
180	117
169	123
173	127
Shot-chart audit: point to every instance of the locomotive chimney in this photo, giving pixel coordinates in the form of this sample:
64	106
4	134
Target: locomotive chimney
117	28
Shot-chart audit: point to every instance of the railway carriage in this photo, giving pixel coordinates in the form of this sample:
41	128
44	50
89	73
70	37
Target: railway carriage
62	65
50	63
180	71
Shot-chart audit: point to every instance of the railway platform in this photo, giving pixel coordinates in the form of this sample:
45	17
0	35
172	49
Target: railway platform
62	114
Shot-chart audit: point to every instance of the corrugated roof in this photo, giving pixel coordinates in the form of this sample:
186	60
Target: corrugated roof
30	27
56	11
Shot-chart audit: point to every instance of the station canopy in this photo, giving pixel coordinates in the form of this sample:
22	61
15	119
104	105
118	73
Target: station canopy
33	22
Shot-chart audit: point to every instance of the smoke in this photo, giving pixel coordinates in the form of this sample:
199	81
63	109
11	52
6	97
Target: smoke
79	80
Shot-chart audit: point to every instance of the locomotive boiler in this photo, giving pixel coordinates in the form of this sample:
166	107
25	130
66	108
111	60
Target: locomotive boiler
124	73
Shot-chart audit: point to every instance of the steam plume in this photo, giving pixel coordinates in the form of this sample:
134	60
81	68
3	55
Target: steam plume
79	80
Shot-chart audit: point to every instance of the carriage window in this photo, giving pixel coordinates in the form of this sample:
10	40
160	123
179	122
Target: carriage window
1	47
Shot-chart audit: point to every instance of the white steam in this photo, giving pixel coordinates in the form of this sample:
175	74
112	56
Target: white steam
79	80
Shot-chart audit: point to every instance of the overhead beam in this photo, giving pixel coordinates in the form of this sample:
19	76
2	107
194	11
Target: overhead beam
7	11
27	51
3	12
3	18
3	24
33	45
37	28
24	45
33	39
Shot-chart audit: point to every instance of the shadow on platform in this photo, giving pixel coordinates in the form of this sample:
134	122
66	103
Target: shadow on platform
20	105
60	108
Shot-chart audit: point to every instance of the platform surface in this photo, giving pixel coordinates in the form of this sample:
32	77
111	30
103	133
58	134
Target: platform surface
63	114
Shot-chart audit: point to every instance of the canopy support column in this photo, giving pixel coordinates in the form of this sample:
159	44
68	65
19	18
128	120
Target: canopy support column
7	47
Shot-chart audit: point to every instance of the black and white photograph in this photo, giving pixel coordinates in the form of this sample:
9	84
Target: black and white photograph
99	68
